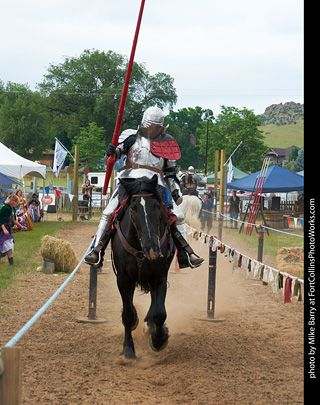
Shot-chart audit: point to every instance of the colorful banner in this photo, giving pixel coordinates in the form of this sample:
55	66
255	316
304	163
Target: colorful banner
60	154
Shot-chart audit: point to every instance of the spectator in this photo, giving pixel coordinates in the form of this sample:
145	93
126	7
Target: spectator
86	191
301	204
33	211
25	207
234	201
40	212
7	212
21	198
35	197
21	215
34	208
207	207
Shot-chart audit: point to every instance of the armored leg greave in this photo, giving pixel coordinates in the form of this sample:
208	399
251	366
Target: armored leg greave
102	238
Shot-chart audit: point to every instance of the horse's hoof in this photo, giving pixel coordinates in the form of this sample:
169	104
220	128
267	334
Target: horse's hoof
128	353
158	344
161	347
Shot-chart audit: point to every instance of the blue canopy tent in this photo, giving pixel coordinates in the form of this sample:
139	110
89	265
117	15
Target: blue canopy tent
278	180
8	180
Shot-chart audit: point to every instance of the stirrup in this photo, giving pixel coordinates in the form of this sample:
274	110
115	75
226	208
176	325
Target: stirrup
197	262
185	260
95	262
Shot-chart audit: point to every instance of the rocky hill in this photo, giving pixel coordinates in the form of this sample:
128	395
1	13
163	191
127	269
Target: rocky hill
283	114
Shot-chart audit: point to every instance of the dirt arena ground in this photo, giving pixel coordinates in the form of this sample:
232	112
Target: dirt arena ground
251	353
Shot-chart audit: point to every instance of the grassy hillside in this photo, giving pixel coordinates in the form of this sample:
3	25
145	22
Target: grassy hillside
283	136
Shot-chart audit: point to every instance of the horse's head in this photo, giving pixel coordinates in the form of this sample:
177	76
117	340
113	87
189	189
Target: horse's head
144	204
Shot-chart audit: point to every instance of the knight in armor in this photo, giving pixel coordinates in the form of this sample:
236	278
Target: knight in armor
149	150
190	181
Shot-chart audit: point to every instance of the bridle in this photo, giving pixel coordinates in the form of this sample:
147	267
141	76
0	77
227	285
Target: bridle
138	254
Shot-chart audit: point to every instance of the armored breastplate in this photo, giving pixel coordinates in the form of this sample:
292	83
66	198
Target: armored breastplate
140	153
190	183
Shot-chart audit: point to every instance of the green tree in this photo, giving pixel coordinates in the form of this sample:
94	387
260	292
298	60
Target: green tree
299	163
183	125
88	89
91	145
25	125
231	127
293	154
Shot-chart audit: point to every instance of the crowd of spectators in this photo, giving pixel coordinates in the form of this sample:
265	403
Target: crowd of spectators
16	214
30	211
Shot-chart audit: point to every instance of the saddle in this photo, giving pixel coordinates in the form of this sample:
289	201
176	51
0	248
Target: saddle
114	226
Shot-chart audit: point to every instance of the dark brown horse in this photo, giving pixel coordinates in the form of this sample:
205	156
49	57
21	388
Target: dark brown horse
142	253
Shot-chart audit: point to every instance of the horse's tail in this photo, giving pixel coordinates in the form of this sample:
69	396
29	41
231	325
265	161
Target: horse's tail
192	213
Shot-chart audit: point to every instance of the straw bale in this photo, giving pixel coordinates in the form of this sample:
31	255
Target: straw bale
60	251
291	261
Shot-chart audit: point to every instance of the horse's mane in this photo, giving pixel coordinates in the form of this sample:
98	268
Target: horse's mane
142	185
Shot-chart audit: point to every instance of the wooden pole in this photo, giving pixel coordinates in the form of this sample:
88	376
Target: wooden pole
93	288
222	181
216	169
206	161
75	184
11	380
212	282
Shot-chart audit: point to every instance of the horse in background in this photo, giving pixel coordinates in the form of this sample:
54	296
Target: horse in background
191	207
142	252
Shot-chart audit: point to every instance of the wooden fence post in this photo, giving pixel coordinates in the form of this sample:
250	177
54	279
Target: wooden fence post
92	314
212	281
11	380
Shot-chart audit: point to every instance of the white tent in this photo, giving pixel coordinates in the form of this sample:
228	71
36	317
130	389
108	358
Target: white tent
16	166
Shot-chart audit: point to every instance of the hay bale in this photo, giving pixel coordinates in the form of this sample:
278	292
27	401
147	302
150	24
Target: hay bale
60	251
291	261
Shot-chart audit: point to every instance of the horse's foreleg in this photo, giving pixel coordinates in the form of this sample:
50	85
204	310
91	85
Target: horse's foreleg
159	336
129	316
148	320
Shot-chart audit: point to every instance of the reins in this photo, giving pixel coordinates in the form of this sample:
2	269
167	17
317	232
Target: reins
138	254
142	195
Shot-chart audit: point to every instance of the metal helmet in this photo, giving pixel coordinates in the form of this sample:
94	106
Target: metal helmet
152	122
191	169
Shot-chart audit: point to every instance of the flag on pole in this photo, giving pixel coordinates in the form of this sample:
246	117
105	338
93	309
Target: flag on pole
230	172
60	154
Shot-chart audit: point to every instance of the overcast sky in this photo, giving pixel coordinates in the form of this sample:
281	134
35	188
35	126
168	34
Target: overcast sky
241	53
